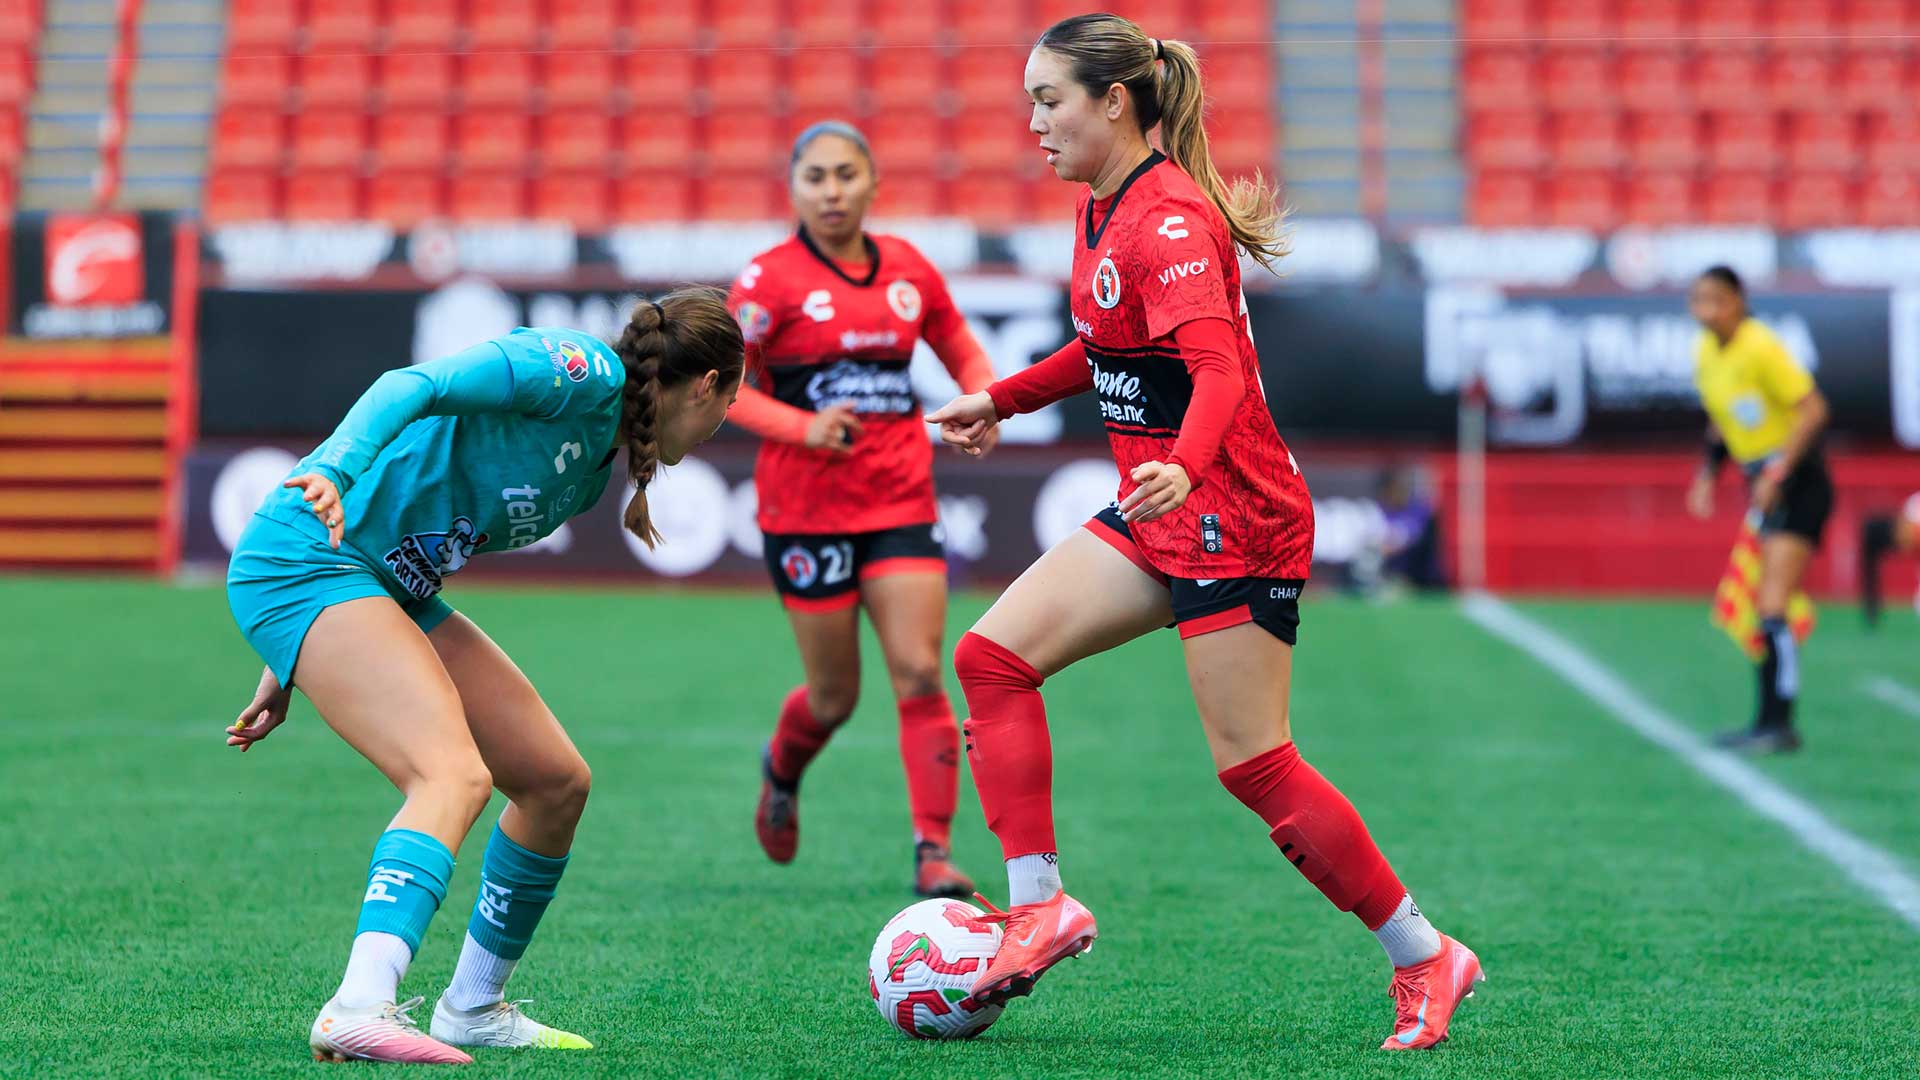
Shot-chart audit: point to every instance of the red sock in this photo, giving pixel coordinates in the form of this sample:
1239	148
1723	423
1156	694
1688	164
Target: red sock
930	749
1007	745
798	737
1318	831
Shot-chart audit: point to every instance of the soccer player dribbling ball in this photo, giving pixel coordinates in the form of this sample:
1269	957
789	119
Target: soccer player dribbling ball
845	483
336	584
1213	531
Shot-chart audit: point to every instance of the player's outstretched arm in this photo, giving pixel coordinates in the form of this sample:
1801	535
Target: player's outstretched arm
966	422
264	713
476	380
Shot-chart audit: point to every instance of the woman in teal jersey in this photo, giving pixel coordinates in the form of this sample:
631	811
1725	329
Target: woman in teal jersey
336	584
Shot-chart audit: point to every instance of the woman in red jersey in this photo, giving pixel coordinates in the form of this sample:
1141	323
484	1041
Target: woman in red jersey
1213	530
845	482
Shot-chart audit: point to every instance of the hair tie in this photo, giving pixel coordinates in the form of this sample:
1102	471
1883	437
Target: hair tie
1159	50
658	311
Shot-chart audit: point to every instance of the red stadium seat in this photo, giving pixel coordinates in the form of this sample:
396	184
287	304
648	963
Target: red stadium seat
908	142
576	139
416	25
747	78
747	196
1225	20
246	137
1873	78
1505	199
1576	19
989	78
322	196
659	28
578	198
339	24
1664	140
1874	22
417	78
1481	19
905	24
745	141
743	23
1577	79
1237	76
1587	139
1823	141
252	78
16	75
991	24
327	139
654	196
1053	201
1044	13
1816	200
1890	200
910	195
1893	141
487	197
1727	18
660	80
826	22
990	202
234	195
1660	20
502	24
826	81
1497	77
1506	139
1743	140
1584	200
407	139
583	24
1739	198
497	78
1728	78
1660	199
657	141
1800	78
1241	141
403	199
986	141
1810	21
12	137
253	25
341	78
1654	79
19	24
897	76
492	139
578	77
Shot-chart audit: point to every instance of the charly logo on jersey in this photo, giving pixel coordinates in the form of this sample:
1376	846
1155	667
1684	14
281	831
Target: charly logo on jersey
422	561
750	276
904	299
799	565
1170	228
1183	270
1106	284
818	305
754	320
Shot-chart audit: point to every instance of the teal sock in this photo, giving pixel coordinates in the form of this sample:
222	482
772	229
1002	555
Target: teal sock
406	881
516	885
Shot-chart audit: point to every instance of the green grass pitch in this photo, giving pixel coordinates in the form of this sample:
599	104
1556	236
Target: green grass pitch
171	908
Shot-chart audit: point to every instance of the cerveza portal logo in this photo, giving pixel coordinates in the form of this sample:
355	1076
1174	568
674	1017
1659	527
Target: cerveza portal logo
422	561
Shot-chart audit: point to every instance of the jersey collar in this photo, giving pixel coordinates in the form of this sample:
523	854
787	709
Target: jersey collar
873	259
1093	234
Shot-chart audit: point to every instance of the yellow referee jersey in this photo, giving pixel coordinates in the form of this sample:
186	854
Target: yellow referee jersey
1749	387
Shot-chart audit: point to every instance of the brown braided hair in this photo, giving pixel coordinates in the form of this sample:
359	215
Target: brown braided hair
668	342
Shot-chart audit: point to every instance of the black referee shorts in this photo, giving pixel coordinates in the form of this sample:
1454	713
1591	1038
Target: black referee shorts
1806	500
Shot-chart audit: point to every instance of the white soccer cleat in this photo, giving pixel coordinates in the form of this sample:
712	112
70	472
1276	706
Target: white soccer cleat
383	1032
501	1024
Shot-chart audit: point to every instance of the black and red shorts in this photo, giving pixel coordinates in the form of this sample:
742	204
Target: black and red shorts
823	571
1203	606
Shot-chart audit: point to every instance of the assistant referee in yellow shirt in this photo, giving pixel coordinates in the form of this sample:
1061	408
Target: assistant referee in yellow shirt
1768	416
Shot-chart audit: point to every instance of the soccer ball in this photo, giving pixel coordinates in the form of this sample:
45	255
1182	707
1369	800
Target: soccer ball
925	962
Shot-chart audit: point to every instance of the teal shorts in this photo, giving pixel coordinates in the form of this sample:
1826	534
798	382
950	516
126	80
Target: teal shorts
281	578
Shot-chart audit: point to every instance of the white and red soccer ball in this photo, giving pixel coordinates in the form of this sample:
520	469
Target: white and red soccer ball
924	965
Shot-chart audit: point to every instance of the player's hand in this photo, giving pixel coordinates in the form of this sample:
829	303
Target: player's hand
1766	488
966	421
833	429
1163	488
1700	496
323	499
989	439
264	713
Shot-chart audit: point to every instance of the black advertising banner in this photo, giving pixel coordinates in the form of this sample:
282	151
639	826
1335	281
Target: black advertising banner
1337	362
90	275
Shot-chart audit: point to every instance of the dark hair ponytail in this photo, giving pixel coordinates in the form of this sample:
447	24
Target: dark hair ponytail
666	343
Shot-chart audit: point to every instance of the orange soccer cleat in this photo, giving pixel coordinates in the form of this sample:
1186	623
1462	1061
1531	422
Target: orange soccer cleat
1425	995
1037	936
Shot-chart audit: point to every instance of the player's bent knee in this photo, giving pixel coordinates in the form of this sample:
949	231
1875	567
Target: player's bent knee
465	786
982	661
832	703
917	677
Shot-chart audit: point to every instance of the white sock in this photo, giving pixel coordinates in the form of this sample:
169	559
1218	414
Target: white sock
480	978
1033	878
1407	935
374	970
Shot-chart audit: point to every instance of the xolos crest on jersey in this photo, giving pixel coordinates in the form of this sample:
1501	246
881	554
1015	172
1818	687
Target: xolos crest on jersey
1106	284
904	299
